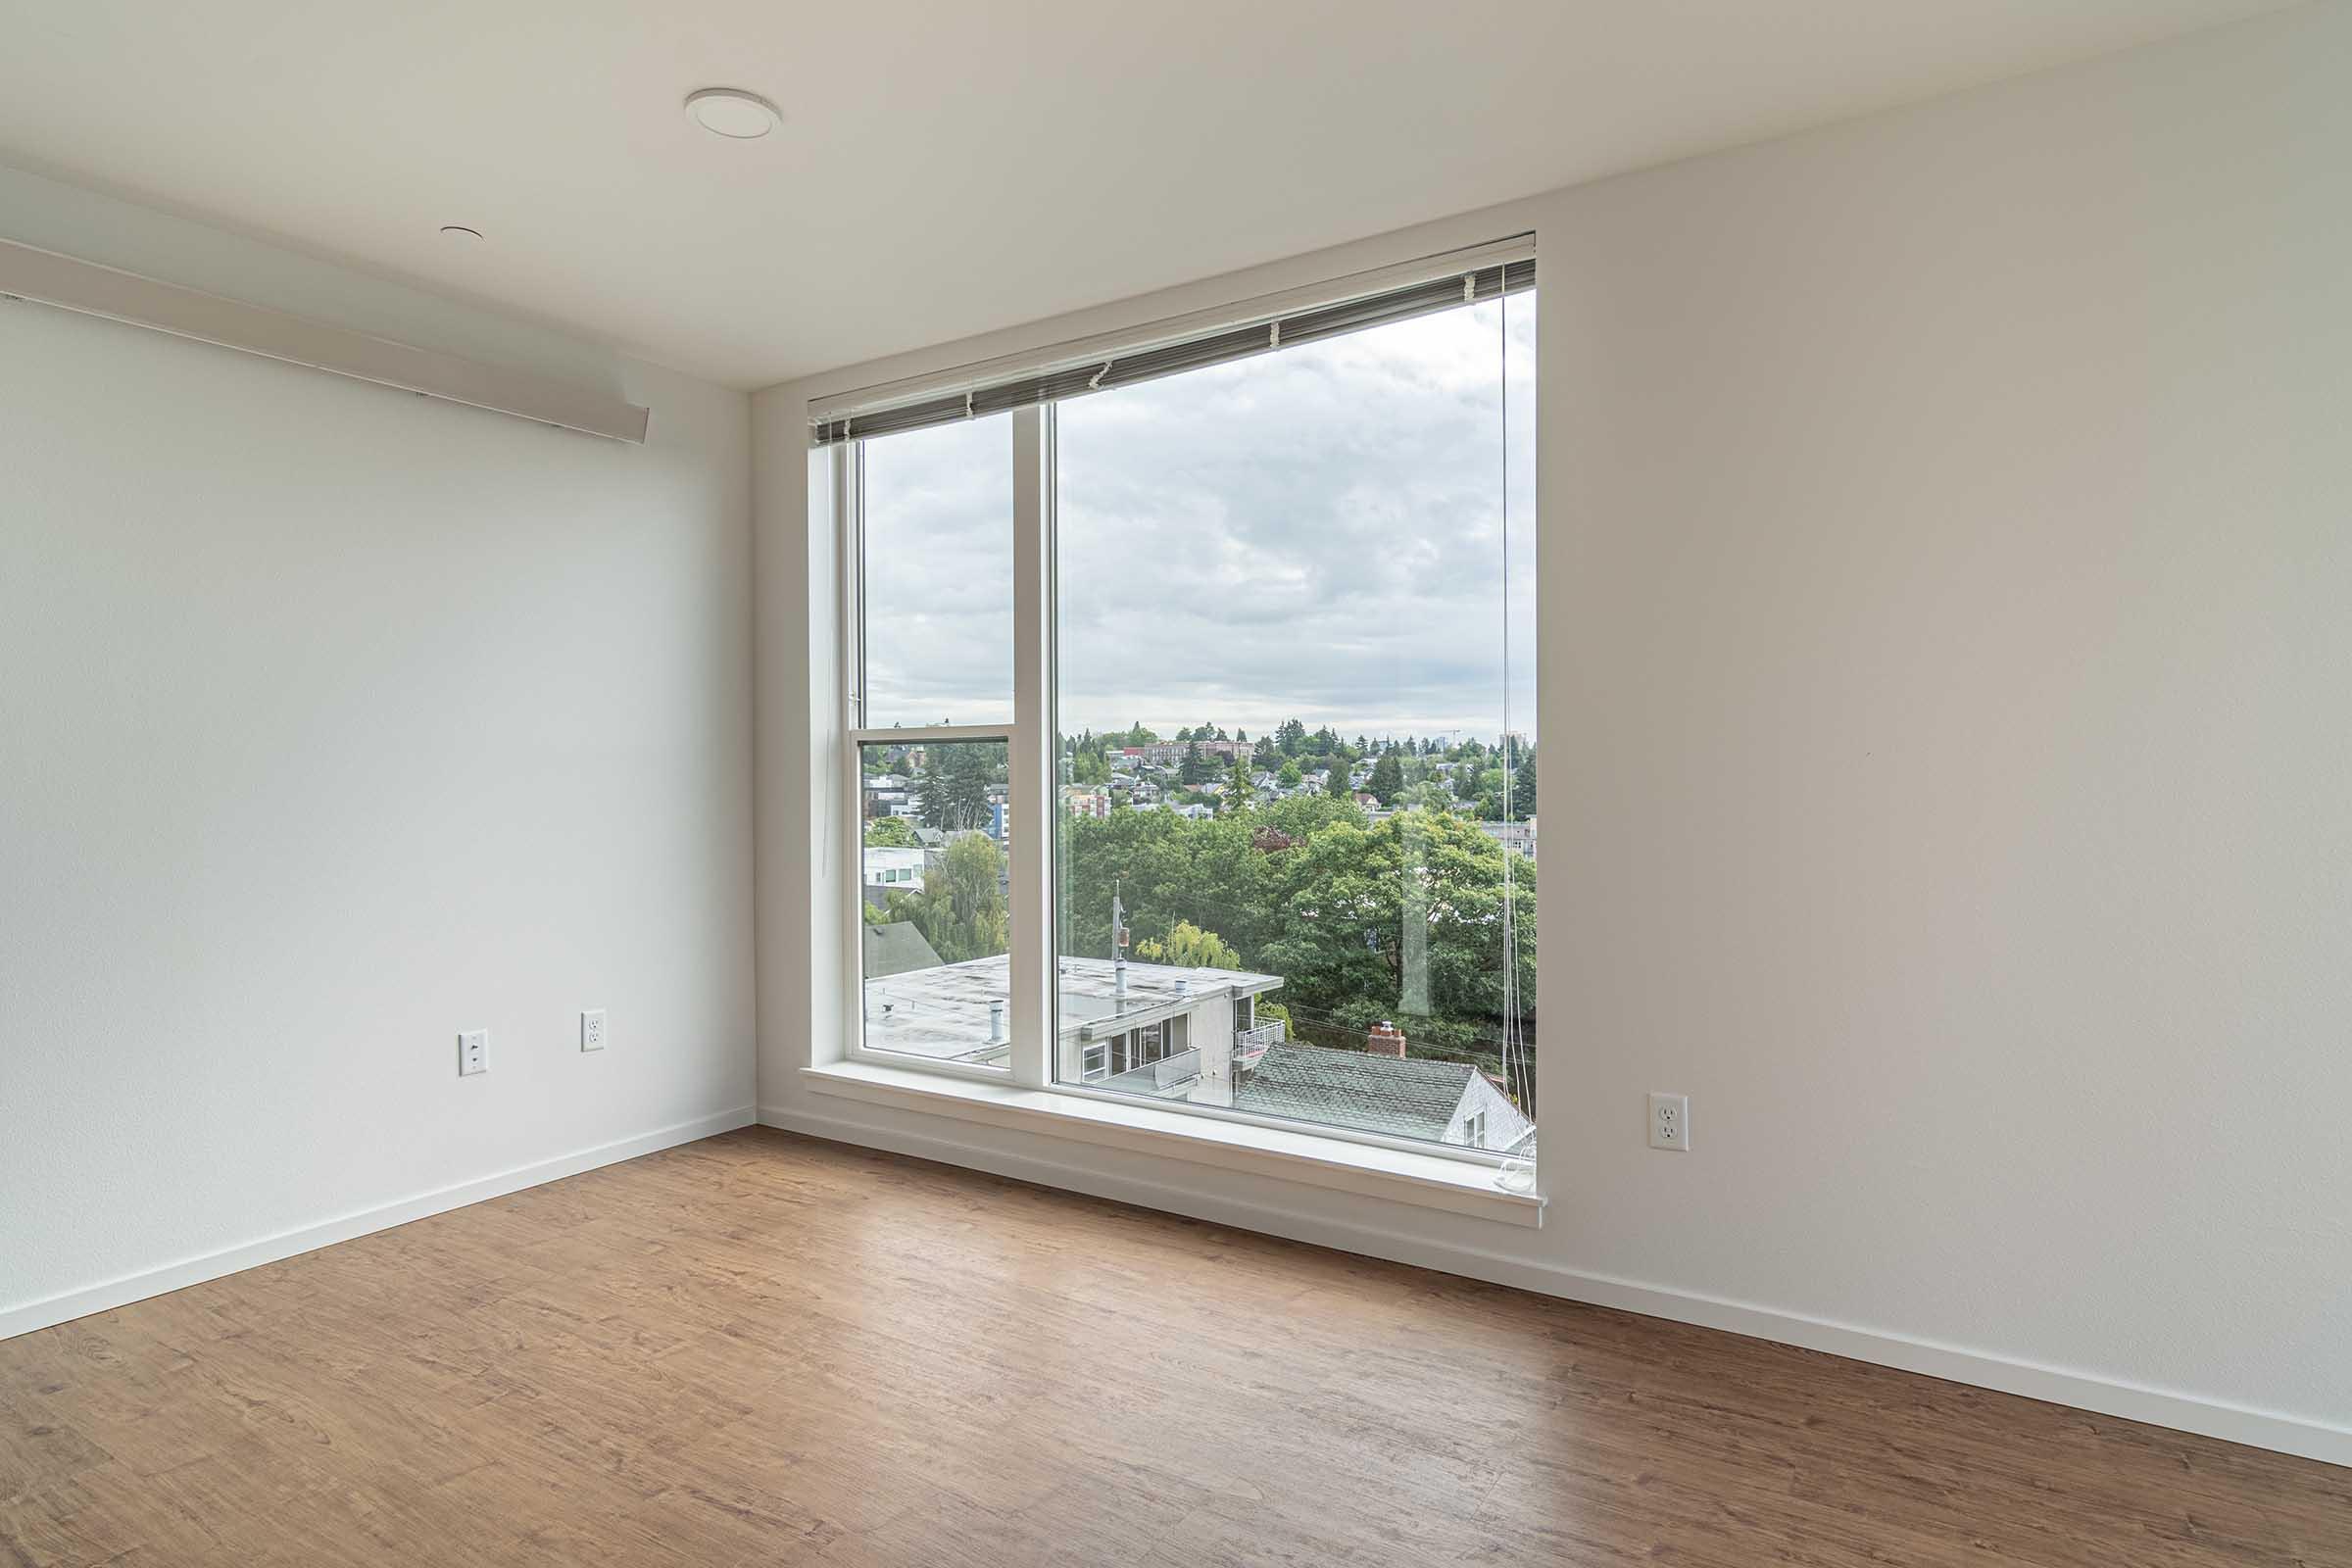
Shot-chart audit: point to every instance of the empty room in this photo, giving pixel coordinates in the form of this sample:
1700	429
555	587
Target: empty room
1547	782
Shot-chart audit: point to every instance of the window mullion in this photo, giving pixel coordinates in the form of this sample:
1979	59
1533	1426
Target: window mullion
1029	769
848	686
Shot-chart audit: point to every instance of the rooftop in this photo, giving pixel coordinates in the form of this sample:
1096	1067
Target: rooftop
1407	1098
943	1013
897	949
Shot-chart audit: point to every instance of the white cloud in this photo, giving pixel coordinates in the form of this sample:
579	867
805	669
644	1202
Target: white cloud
1314	533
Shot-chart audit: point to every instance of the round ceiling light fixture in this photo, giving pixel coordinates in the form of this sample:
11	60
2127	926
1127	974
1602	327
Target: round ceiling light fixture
733	112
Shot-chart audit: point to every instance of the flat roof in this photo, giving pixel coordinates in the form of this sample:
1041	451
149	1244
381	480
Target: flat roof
943	1013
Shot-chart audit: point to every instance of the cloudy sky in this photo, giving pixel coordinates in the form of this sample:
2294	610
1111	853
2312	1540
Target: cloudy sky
1314	533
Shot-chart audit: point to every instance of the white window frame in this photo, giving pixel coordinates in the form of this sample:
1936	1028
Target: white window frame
1028	820
1032	787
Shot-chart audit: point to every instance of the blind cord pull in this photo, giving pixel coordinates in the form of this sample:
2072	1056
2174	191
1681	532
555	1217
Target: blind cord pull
967	405
1093	384
1469	287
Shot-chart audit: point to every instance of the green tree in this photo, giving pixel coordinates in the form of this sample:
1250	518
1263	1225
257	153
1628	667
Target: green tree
1169	869
1240	790
1190	947
1358	919
1348	895
1288	777
1335	783
1195	767
1387	779
1302	816
1428	795
889	833
1522	789
961	910
953	792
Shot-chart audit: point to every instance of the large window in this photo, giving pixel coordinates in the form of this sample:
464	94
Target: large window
1243	628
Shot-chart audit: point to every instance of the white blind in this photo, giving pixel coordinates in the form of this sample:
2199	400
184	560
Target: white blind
1484	275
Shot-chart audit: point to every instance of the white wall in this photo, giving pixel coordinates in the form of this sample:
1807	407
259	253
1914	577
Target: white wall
334	719
1951	617
1946	561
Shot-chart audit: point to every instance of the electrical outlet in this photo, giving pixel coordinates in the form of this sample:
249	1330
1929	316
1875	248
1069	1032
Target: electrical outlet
474	1053
592	1029
1670	1123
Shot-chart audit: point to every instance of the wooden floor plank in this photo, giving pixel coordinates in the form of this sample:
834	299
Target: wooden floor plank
762	1349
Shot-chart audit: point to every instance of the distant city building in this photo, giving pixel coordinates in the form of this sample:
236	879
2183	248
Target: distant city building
1519	836
1171	753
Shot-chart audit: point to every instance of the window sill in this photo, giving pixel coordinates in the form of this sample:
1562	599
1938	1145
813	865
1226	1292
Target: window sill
1430	1181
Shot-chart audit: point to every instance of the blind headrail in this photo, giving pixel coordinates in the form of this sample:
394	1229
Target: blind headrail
1181	343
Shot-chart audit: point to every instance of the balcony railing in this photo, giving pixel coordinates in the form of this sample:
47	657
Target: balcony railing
1249	1046
1182	1067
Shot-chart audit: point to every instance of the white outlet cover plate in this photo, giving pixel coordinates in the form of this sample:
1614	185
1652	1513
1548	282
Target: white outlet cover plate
474	1053
1670	1123
592	1029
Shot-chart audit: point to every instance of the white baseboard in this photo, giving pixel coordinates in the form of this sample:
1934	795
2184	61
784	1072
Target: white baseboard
2261	1429
101	1297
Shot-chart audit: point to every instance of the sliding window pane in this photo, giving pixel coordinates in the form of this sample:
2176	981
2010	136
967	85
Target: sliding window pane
932	900
1296	830
938	575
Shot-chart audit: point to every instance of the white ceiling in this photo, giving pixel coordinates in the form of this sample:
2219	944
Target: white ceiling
944	169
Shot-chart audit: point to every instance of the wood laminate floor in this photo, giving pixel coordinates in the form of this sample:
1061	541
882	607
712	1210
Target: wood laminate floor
765	1349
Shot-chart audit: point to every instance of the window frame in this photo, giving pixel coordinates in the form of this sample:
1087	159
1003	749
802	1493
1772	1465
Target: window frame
1027	807
1032	779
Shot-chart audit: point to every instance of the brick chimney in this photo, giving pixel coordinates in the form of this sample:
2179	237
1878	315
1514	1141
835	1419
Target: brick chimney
1386	1040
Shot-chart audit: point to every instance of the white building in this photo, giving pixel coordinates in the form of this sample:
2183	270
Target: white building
893	869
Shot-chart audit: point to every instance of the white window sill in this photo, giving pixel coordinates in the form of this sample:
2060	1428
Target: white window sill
1431	1181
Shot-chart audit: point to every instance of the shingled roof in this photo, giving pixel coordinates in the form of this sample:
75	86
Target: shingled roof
1407	1098
896	949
